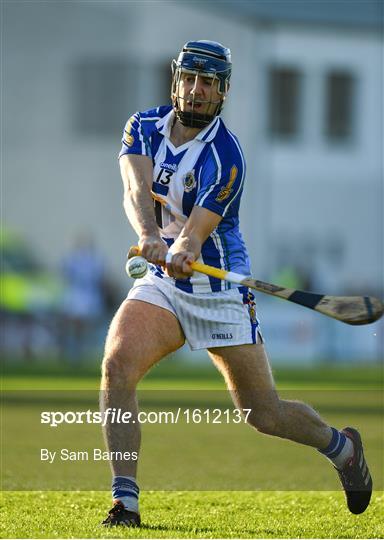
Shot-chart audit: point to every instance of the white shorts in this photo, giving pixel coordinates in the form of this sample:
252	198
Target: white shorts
208	319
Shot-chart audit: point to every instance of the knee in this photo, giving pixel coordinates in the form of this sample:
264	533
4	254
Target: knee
119	369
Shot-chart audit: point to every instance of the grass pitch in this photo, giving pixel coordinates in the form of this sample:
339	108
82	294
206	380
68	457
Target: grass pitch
218	514
192	515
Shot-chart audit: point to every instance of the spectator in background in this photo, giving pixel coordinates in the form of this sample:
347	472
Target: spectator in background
83	308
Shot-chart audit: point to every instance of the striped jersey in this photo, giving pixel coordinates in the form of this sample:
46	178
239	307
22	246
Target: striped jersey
207	171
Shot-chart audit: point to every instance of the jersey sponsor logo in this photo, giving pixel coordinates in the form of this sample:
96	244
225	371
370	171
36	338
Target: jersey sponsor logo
189	181
169	166
222	336
227	190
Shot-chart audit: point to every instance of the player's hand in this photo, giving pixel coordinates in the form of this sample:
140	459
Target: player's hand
154	249
179	266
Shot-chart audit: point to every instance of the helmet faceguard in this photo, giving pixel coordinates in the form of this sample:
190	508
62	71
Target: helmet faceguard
209	60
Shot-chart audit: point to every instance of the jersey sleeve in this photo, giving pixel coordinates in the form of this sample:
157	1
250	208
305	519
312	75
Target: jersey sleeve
221	183
134	140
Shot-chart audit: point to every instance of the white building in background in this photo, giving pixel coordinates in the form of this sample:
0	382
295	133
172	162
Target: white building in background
306	104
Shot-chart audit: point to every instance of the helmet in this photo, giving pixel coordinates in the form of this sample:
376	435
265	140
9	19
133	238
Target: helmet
207	59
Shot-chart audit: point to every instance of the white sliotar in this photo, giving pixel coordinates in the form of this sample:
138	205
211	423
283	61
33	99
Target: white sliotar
136	267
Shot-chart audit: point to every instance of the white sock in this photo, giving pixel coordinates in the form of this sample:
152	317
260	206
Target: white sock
126	490
339	450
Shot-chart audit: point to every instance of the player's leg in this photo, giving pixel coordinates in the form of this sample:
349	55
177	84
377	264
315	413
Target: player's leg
248	376
139	336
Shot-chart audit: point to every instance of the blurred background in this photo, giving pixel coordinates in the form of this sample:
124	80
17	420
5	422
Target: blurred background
306	102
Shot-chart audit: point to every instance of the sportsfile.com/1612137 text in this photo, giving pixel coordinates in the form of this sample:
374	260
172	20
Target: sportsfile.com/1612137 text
120	416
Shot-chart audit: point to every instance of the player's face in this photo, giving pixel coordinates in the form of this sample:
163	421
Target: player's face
198	93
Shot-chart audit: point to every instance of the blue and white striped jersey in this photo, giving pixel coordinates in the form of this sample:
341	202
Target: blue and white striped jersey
207	171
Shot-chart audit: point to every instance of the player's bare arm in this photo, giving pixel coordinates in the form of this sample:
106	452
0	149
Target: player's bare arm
187	246
137	175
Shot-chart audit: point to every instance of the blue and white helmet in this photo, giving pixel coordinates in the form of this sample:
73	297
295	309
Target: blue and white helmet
206	58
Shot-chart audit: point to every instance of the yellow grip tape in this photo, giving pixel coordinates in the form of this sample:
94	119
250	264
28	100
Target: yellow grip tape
209	270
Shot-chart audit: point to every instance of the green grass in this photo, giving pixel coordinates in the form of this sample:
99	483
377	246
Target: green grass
178	459
192	451
172	373
193	515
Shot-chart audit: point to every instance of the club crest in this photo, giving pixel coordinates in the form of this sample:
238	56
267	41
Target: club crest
189	181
